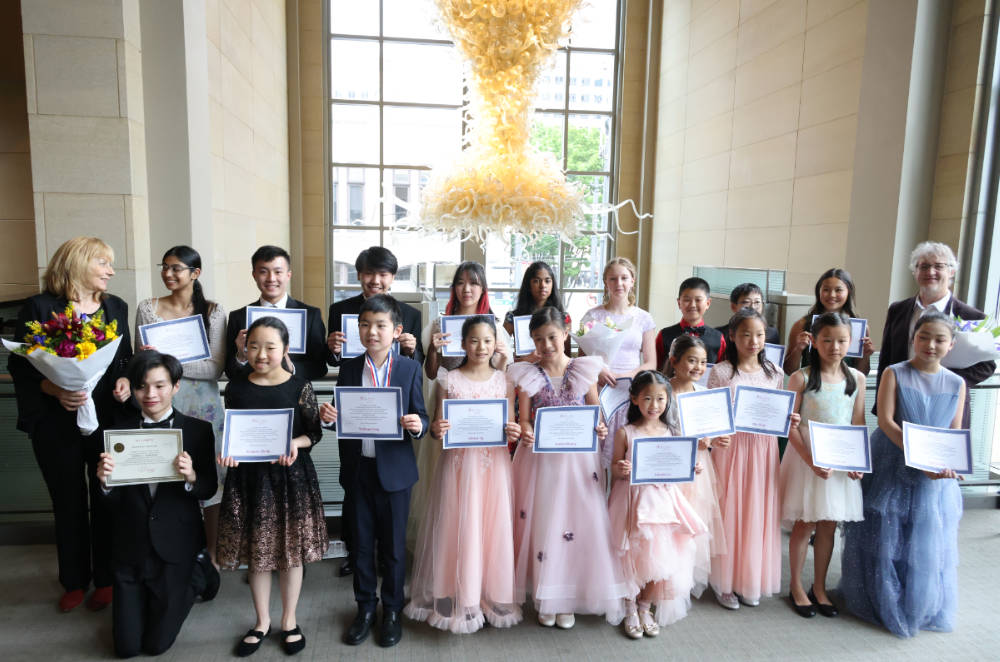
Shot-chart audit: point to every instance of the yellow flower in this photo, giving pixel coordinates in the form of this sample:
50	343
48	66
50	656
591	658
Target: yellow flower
85	349
35	328
33	348
87	333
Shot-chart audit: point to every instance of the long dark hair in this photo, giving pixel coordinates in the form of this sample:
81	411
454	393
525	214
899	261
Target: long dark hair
470	322
741	317
191	258
679	347
815	381
641	381
525	302
841	275
476	270
547	315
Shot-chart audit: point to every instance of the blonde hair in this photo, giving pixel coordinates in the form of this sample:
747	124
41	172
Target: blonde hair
67	271
619	262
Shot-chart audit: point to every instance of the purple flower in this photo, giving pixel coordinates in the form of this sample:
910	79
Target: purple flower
568	536
66	348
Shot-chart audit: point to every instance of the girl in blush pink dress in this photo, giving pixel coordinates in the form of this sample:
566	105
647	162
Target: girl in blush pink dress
653	526
748	477
562	537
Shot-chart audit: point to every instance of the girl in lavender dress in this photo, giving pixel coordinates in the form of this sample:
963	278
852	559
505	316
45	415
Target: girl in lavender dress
637	351
562	535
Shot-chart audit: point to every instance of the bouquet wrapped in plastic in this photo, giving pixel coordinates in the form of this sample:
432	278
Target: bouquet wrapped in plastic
72	351
975	341
602	339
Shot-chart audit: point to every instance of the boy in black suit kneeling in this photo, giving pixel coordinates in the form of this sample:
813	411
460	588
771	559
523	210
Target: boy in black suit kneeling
158	558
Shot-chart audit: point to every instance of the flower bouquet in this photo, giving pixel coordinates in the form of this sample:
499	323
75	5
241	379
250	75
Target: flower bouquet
602	339
975	341
72	351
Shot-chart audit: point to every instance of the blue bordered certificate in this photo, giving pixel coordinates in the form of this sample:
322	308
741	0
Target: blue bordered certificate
566	429
365	412
257	435
936	449
615	397
183	338
706	413
294	320
475	423
840	447
663	460
859	329
452	325
352	338
775	354
763	410
703	381
523	344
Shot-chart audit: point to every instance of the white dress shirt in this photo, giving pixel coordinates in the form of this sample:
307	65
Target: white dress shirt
282	302
368	445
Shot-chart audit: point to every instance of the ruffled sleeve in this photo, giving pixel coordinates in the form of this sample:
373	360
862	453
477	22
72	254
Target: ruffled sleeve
644	320
527	377
582	374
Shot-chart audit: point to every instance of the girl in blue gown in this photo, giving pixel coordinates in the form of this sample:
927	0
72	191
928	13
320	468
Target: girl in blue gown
899	566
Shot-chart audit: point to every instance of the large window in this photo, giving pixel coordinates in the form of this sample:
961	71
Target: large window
397	92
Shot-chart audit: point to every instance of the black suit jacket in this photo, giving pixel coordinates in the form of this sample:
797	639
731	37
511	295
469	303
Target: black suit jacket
37	410
395	460
895	346
411	323
309	366
169	523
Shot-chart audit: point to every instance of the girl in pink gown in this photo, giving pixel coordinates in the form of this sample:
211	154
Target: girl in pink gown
748	477
562	536
686	364
653	526
463	567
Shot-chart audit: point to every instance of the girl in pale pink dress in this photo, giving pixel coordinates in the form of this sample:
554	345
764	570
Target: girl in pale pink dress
748	477
653	526
637	351
686	364
562	536
463	567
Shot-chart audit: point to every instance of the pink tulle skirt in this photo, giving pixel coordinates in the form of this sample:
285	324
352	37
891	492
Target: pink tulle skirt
703	495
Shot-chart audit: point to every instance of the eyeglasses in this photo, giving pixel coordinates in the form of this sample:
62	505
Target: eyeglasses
924	267
175	269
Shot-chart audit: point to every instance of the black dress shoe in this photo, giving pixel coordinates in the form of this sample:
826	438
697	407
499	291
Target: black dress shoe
360	628
293	647
829	611
346	568
805	611
244	649
392	629
205	577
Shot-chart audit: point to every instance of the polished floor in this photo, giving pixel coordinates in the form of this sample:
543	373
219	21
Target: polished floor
31	629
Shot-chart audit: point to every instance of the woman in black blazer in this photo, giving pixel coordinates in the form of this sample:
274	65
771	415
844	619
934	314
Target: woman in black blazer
933	265
77	274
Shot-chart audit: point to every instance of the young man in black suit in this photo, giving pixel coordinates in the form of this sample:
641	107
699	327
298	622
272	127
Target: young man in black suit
158	558
376	267
272	272
749	295
382	472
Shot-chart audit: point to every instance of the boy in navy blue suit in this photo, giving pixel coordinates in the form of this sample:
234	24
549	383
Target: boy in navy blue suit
381	472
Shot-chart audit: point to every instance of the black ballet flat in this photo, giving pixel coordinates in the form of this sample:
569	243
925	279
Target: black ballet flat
245	649
830	610
805	611
293	647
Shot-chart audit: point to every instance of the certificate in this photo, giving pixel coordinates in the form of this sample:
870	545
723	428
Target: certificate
452	325
936	449
763	410
775	354
475	423
523	344
703	381
706	413
184	338
840	447
294	320
859	328
615	397
663	460
566	429
143	456
369	413
352	338
257	435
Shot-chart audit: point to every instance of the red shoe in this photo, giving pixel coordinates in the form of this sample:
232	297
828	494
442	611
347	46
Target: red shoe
70	600
99	599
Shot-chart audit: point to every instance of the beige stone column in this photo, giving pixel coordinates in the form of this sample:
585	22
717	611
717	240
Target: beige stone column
83	66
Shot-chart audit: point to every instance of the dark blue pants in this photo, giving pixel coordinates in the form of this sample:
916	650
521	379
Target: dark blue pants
378	518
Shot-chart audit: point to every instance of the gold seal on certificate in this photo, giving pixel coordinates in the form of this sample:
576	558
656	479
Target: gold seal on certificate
143	456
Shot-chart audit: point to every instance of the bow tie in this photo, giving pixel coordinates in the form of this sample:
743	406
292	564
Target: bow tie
161	424
697	331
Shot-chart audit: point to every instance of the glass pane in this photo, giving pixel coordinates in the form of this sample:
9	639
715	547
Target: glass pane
505	263
354	69
340	295
354	134
589	147
417	19
402	195
354	199
578	303
596	192
353	17
593	26
346	246
584	261
547	135
416	253
551	86
422	73
421	136
591	81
